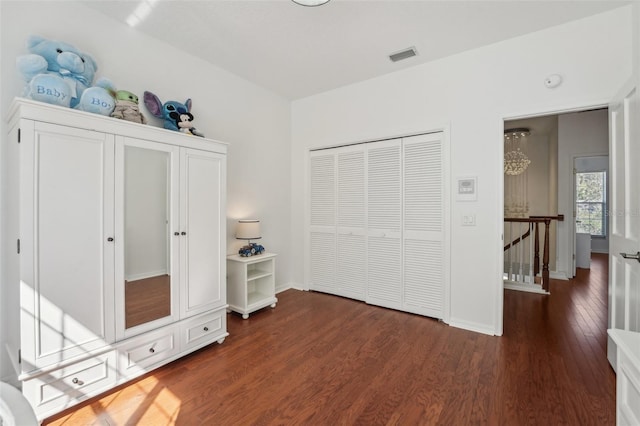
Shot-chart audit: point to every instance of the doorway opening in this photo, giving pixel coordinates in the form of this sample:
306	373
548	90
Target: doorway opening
554	145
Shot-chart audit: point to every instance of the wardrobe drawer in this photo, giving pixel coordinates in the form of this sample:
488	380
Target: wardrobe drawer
204	329
146	351
69	385
628	389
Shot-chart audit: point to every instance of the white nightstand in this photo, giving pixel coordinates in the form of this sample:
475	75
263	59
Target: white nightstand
251	283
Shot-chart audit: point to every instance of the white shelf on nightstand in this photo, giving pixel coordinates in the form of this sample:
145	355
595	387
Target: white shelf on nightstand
251	283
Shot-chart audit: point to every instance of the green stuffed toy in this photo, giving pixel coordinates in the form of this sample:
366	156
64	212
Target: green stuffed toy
60	74
127	107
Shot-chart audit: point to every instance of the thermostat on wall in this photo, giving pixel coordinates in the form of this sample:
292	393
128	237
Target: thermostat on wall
467	189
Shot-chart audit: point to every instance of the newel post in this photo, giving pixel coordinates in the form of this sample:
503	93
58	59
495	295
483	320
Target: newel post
545	257
536	261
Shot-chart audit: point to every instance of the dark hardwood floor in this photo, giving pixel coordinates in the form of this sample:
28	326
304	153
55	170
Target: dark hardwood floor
147	299
318	359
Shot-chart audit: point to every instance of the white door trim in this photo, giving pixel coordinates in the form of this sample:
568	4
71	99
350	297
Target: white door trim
537	112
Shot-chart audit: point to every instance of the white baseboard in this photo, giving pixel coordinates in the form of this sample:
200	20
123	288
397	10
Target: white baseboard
529	288
603	251
282	287
145	275
558	275
472	326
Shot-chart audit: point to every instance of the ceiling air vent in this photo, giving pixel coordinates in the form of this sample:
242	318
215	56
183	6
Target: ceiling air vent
403	54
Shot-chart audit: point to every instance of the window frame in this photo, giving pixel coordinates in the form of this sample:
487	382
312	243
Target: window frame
603	203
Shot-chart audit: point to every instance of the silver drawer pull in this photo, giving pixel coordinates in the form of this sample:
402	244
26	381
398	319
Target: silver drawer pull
77	381
206	329
152	350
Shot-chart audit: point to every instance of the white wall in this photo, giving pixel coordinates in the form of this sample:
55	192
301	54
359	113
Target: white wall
538	170
255	122
473	92
579	135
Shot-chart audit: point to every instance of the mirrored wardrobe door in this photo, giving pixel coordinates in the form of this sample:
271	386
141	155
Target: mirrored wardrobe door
146	249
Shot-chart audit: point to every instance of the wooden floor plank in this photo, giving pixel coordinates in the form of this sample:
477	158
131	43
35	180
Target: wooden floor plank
318	359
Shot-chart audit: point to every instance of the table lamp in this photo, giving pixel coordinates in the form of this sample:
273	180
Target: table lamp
249	229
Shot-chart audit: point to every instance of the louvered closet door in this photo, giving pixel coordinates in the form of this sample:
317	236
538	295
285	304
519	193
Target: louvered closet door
424	225
351	239
384	209
322	238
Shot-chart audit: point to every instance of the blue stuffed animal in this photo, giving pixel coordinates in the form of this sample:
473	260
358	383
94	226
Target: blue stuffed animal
177	116
60	74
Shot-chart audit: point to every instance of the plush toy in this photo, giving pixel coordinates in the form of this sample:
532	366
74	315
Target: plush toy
58	73
127	107
176	115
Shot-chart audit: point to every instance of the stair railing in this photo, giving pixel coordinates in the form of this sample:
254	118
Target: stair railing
523	260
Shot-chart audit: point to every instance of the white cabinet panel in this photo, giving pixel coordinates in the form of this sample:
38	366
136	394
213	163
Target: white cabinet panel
67	386
142	352
203	329
203	217
68	185
627	376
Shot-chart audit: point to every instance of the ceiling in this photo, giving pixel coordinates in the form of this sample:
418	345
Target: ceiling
299	51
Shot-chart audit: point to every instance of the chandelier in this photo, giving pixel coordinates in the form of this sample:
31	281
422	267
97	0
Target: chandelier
515	160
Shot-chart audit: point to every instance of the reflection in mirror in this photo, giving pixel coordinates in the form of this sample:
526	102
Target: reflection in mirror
146	236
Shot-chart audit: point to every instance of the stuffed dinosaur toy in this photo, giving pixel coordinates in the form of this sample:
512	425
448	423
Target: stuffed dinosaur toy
177	116
60	74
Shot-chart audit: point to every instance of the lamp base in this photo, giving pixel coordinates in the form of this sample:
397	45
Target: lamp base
251	249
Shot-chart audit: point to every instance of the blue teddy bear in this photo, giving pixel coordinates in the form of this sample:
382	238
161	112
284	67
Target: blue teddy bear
59	74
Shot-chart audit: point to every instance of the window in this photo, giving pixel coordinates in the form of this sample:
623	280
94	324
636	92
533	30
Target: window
591	203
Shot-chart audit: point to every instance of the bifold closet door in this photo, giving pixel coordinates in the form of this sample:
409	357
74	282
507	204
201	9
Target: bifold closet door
384	225
322	235
424	225
351	240
378	223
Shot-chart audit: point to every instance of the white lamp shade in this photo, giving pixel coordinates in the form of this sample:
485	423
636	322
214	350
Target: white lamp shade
248	230
311	2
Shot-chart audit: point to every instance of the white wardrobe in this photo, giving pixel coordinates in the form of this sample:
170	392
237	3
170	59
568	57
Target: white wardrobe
378	223
115	250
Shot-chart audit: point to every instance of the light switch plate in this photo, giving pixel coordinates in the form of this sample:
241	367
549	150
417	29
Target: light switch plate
469	220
